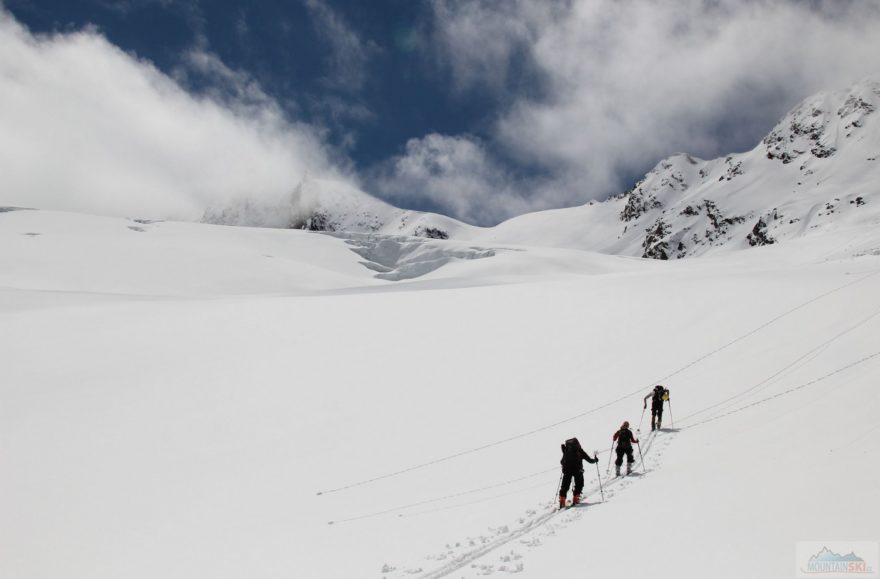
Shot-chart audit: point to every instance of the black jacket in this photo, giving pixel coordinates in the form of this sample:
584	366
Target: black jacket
656	397
571	461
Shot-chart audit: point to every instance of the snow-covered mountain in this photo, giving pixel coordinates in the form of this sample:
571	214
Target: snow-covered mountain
818	169
327	205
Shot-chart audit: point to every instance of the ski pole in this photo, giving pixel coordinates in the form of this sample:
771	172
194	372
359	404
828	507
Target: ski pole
641	458
599	477
610	454
642	418
558	487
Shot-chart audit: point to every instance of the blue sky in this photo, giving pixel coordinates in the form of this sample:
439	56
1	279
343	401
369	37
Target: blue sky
382	90
480	109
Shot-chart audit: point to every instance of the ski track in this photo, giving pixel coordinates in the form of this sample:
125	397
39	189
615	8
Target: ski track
612	485
662	380
511	561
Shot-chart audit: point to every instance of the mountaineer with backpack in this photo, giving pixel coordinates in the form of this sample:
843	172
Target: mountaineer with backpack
658	396
572	467
625	439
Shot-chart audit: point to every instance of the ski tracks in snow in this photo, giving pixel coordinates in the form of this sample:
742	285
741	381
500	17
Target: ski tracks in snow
500	549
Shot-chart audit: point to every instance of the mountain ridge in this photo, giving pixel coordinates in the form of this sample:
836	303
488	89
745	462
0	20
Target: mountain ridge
816	169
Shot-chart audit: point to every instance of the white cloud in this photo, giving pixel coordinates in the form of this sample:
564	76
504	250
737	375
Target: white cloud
479	42
590	92
87	127
455	176
349	54
612	86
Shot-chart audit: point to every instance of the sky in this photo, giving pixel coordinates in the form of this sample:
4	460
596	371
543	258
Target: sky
478	109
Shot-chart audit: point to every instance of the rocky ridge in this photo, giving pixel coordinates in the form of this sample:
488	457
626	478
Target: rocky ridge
816	169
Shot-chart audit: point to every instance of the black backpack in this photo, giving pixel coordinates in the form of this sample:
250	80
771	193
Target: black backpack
571	453
624	438
661	394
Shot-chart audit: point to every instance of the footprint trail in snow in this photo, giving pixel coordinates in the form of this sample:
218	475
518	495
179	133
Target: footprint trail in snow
503	549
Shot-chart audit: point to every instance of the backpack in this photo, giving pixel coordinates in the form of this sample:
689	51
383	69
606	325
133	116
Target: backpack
571	453
657	397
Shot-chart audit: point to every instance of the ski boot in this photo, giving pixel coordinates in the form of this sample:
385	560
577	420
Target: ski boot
629	468
617	471
576	500
561	502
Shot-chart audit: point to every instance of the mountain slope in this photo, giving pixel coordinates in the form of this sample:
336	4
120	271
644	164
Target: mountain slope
174	399
817	170
334	206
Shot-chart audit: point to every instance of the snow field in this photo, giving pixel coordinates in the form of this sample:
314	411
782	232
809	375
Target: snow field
185	427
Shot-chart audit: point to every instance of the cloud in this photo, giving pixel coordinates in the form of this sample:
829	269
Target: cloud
451	175
346	60
478	43
349	55
588	94
87	127
242	28
593	92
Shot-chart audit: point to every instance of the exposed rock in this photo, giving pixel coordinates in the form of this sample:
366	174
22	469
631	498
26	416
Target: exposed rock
637	205
719	222
733	169
654	244
317	221
681	250
821	151
431	233
854	104
759	235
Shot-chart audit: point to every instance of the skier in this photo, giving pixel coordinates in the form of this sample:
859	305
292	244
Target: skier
572	467
625	440
658	395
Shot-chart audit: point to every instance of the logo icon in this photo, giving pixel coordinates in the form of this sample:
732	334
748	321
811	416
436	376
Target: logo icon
837	559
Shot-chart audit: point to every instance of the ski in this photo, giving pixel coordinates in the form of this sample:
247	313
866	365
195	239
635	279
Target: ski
570	505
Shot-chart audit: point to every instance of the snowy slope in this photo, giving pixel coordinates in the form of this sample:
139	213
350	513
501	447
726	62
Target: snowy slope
324	205
85	255
817	170
65	252
174	399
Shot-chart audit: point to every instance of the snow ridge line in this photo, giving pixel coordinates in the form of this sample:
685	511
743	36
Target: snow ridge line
602	407
786	392
535	523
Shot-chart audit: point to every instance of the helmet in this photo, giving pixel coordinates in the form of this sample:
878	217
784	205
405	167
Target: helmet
625	424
